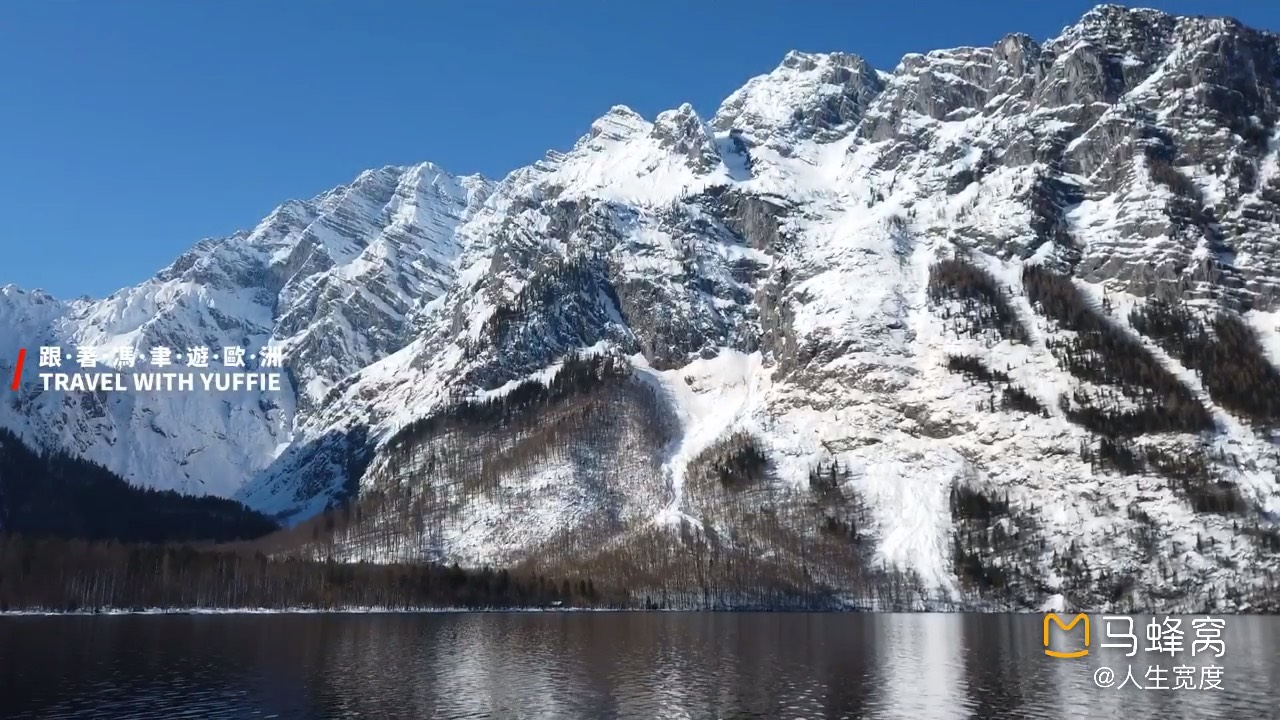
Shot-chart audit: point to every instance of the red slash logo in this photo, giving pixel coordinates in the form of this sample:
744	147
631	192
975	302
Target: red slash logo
17	370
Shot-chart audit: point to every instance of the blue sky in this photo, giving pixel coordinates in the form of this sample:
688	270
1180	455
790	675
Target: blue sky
129	129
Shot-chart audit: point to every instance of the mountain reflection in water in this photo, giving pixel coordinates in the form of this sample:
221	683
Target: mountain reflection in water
593	665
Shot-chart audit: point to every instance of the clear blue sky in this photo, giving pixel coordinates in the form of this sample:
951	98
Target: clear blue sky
129	129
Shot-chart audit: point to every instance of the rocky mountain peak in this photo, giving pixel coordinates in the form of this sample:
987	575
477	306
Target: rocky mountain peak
619	123
682	132
808	95
13	293
836	67
875	313
869	253
337	280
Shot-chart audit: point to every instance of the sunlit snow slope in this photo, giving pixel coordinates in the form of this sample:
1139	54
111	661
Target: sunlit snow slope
996	326
336	280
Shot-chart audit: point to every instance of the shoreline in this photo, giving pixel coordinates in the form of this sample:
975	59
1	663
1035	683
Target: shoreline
557	610
428	611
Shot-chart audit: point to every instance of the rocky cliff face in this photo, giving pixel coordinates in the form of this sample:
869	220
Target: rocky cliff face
336	280
997	327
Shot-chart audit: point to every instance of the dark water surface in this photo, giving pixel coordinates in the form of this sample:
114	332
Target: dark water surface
565	666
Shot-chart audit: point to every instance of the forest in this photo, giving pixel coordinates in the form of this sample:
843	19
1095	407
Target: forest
1104	354
1133	393
1223	350
54	494
754	544
76	537
68	575
577	375
982	304
1130	399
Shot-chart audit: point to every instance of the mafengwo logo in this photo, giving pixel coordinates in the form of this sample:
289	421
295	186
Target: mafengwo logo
1065	628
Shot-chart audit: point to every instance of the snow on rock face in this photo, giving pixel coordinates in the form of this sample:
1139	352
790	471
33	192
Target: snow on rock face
336	280
774	272
799	229
810	95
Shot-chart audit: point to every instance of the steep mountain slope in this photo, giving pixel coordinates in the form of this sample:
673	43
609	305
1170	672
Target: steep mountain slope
336	281
996	328
881	333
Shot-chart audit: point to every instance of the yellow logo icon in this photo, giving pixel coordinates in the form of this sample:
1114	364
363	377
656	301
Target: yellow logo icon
1066	628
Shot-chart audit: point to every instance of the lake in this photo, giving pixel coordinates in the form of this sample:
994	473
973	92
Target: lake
564	666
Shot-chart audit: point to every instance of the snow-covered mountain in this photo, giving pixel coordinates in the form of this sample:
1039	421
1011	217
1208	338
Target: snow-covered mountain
997	325
337	280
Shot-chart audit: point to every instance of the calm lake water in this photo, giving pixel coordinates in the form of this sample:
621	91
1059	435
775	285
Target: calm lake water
564	666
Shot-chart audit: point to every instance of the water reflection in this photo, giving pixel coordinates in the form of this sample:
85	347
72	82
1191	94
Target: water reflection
594	665
920	660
